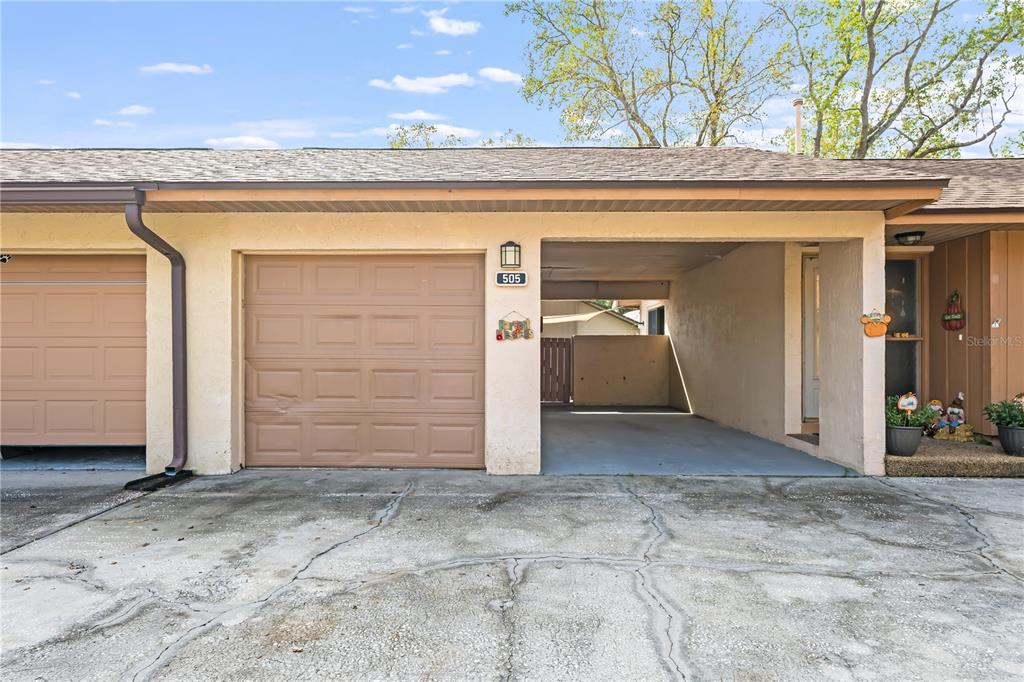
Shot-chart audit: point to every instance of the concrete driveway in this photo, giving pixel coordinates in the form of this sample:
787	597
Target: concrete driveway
307	575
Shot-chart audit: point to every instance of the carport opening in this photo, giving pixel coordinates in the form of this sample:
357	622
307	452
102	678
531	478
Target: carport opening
696	384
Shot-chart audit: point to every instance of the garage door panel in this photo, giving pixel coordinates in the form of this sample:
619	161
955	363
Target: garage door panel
80	310
364	386
350	331
110	268
76	419
73	350
73	364
364	361
455	279
345	440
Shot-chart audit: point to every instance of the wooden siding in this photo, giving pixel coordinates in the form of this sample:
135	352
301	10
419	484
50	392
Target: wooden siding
983	362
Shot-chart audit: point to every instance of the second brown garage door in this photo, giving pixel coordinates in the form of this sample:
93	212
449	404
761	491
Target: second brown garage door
372	361
73	350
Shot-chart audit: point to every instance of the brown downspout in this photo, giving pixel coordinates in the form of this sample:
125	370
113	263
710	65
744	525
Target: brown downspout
133	216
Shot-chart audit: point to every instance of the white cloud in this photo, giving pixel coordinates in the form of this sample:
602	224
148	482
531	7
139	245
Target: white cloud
417	115
493	73
25	145
403	9
404	46
136	110
277	127
418	33
357	10
45	81
175	67
443	130
342	135
113	124
73	94
242	142
430	85
442	53
450	27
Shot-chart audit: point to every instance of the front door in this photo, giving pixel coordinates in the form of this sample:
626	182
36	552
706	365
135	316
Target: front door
812	337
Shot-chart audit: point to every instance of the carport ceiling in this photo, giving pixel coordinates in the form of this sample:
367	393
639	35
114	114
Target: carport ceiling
617	261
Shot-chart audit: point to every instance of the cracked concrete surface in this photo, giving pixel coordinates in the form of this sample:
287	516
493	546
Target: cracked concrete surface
452	575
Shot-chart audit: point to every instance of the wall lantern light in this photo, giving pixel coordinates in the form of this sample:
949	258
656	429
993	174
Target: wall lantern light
511	255
909	238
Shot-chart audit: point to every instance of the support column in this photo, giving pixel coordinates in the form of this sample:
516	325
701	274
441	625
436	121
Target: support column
792	285
852	364
512	380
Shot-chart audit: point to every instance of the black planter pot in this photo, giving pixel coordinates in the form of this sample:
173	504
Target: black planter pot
1012	440
902	440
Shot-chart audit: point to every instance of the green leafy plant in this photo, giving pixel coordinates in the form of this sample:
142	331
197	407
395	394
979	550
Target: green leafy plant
1005	413
894	416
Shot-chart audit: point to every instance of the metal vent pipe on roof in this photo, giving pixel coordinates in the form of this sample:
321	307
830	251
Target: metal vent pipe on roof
179	369
798	104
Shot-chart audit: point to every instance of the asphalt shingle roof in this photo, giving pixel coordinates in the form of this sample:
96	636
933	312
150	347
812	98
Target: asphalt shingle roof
976	184
518	165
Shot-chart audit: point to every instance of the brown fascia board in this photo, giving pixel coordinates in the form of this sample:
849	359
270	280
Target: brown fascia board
934	182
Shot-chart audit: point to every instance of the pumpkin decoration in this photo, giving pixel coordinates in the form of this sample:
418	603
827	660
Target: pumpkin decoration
954	318
875	323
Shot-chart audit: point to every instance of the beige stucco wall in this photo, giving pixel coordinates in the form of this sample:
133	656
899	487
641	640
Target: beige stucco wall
213	243
852	377
727	320
620	370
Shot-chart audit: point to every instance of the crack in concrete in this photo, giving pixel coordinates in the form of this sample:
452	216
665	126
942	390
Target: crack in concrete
971	522
671	630
811	508
381	518
74	522
507	619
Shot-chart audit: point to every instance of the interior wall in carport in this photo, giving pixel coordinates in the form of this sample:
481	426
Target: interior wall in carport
731	326
621	370
211	244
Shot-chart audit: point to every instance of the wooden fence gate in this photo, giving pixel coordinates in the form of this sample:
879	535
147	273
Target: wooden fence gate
556	370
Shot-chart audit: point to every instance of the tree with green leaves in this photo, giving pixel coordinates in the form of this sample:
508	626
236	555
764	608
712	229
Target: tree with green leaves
914	79
510	138
422	135
677	72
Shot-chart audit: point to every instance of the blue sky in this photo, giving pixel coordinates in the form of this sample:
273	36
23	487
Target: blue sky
262	74
141	74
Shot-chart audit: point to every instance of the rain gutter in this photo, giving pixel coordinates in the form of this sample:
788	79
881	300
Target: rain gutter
133	199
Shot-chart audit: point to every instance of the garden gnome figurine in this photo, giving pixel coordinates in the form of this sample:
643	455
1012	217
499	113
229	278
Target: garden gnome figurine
939	420
955	411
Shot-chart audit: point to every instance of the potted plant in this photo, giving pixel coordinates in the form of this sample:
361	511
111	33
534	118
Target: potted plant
903	429
1008	416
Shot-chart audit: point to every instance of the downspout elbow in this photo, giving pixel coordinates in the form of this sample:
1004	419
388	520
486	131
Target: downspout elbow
179	369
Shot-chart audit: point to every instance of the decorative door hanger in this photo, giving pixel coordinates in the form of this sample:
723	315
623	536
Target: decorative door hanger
510	328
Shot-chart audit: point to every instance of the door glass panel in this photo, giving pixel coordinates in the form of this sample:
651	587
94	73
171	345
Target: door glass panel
901	296
901	368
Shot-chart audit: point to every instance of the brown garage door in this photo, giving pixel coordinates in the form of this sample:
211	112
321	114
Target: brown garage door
374	361
73	350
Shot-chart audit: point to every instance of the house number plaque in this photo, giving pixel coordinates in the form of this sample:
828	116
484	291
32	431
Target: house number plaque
510	279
